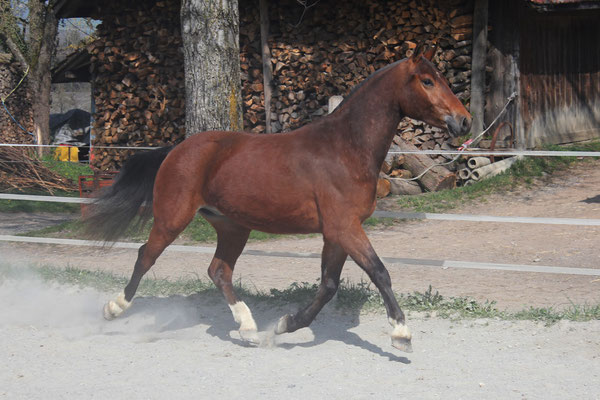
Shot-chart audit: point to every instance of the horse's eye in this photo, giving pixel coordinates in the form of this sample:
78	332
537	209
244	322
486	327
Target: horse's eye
427	82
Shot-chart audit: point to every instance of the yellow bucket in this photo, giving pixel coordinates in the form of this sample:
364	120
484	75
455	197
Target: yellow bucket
67	153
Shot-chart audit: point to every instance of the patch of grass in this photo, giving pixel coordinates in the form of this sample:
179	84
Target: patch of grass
70	170
199	230
350	296
550	315
522	172
14	206
449	199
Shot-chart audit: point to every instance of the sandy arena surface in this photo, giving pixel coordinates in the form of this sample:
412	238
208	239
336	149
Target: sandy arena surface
55	344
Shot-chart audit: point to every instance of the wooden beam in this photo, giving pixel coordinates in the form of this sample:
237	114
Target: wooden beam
480	24
266	61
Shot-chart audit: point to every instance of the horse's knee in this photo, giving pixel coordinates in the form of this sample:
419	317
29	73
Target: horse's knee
330	287
383	276
215	273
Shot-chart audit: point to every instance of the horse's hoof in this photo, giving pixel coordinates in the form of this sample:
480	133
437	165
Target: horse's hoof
250	336
107	313
283	324
114	308
402	344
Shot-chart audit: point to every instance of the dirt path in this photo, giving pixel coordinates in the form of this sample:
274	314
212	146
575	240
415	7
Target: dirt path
55	345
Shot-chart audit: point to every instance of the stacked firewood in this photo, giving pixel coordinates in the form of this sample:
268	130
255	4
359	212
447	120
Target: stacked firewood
139	82
317	52
18	103
329	49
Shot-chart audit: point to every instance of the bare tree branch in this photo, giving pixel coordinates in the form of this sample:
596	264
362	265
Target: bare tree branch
15	50
304	3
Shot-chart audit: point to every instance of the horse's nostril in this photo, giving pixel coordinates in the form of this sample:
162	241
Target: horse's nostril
465	124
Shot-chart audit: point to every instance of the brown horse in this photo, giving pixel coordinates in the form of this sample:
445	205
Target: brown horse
320	178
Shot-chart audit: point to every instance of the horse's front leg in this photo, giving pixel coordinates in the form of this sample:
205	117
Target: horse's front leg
354	241
332	261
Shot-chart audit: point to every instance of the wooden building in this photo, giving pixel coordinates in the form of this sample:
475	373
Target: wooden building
137	64
547	52
541	49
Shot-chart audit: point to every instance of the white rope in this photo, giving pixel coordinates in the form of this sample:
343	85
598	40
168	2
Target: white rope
87	147
444	264
480	152
465	145
488	218
50	199
378	214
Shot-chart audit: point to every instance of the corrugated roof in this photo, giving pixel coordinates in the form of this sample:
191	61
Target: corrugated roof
565	4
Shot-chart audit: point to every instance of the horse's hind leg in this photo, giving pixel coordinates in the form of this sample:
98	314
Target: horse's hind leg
231	239
332	261
161	235
357	244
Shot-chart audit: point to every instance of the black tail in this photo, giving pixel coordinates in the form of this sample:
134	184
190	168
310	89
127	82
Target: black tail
118	206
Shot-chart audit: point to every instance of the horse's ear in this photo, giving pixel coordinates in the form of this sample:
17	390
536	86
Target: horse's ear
430	51
417	52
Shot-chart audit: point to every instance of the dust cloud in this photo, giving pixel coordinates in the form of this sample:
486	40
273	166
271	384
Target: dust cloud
76	312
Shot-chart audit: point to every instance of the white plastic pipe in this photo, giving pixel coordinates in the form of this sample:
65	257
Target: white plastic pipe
496	168
464	173
478	162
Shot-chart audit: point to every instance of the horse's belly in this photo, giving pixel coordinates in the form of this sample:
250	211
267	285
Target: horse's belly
271	218
267	209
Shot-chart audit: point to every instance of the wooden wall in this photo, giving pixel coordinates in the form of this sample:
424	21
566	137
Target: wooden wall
560	77
551	60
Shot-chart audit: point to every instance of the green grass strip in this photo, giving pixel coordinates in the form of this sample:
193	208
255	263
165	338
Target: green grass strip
523	172
350	296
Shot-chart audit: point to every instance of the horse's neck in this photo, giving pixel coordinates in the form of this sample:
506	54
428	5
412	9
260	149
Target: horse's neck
370	118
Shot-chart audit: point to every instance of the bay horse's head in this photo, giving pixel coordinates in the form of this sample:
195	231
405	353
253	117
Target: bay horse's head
429	98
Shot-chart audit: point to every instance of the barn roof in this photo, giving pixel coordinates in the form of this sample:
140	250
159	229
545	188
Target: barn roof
88	8
556	5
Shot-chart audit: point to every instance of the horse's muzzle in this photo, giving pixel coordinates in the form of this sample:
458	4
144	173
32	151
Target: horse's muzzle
458	125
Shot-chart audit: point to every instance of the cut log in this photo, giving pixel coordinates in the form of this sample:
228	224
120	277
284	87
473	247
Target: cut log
402	187
401	173
383	187
436	178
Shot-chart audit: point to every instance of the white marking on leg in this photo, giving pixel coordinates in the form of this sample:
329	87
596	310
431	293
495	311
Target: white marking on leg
400	331
114	308
243	316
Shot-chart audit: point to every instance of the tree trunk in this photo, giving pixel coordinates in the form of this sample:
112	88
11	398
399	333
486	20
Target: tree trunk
42	46
210	33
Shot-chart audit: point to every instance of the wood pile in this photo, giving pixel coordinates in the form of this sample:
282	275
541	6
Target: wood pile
410	174
329	49
21	169
18	103
318	52
139	83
